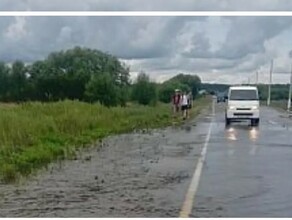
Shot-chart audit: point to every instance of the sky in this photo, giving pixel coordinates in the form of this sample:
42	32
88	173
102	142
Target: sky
218	49
161	5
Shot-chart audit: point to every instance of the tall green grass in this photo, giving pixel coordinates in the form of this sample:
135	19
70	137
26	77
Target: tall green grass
34	134
280	105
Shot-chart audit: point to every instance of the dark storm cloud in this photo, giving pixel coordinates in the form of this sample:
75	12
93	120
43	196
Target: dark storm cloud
247	35
126	37
152	43
200	47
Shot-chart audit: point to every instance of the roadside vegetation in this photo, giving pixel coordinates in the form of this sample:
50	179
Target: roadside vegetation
35	134
279	104
52	108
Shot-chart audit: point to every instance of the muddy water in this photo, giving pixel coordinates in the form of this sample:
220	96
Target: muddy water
143	174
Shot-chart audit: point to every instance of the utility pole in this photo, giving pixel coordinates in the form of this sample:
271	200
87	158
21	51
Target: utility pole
290	92
270	84
257	77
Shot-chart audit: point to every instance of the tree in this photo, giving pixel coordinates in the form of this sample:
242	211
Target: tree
215	87
18	81
167	90
102	89
5	81
65	74
183	82
189	82
123	95
144	91
192	81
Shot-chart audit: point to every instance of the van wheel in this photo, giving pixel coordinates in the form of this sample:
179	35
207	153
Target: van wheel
255	122
227	121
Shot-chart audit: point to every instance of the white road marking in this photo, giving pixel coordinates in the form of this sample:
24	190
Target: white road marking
186	209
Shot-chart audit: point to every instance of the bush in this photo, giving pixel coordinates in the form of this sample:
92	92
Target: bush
102	89
144	91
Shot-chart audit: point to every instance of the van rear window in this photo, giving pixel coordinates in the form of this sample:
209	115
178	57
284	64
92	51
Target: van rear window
243	95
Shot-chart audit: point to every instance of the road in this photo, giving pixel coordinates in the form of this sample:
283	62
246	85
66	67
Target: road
248	170
200	169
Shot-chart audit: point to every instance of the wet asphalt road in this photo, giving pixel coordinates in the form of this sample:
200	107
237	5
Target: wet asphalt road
147	174
247	172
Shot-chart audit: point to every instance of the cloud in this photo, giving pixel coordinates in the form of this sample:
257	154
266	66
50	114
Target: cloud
124	37
200	47
247	35
16	30
218	47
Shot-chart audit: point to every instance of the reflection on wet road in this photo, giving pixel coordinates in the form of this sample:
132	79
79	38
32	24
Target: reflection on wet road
247	171
253	134
232	132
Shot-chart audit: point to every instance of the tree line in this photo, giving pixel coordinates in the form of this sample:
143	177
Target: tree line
87	75
278	91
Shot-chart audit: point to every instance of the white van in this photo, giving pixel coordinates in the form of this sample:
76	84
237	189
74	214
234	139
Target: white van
243	104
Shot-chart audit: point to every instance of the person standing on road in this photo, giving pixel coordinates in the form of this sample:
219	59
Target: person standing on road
184	105
176	100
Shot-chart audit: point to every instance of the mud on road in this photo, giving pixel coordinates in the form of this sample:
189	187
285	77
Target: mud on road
143	174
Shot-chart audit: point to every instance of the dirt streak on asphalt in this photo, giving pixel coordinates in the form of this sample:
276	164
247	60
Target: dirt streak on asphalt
143	174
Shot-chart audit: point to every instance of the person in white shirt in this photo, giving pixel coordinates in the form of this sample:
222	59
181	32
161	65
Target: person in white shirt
184	105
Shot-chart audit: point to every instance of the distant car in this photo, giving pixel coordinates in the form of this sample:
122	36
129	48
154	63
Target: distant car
221	98
243	104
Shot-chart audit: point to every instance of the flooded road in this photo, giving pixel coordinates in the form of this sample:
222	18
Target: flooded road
248	170
133	175
147	174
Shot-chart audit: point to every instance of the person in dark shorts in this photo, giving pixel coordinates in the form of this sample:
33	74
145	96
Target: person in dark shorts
184	105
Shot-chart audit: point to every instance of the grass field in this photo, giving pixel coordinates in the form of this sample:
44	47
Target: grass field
281	104
277	104
34	134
